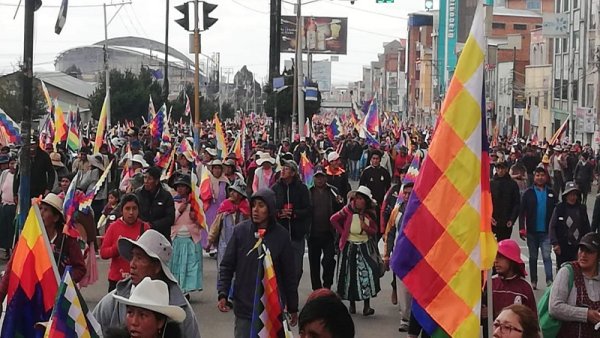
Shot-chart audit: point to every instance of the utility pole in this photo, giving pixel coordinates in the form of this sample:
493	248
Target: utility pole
275	36
196	69
106	70
166	78
597	55
25	160
570	80
299	74
106	66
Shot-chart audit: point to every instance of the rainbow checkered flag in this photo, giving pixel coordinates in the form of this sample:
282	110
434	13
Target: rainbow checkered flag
446	240
267	315
71	316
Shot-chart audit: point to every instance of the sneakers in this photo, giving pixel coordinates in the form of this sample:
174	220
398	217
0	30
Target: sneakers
403	326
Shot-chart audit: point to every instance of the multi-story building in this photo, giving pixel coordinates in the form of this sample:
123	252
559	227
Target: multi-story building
419	67
574	70
538	86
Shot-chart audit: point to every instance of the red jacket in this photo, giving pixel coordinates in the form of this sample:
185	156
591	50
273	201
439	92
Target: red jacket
119	266
342	220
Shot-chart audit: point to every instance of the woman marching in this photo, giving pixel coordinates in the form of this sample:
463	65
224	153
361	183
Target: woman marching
186	263
359	273
232	211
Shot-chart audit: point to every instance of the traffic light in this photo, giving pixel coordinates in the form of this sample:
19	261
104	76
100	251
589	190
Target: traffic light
185	21
207	21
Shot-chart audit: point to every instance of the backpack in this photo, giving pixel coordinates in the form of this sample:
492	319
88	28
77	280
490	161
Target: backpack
549	325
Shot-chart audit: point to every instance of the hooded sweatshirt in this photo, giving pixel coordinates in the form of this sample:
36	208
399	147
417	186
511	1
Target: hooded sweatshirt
237	260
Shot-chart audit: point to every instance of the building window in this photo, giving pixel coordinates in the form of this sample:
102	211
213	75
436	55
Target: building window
558	7
498	25
545	100
575	3
520	27
565	5
534	4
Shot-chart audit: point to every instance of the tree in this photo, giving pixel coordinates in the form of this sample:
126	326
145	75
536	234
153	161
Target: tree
284	98
129	94
11	97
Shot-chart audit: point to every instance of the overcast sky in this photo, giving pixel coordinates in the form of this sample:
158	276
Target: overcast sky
241	35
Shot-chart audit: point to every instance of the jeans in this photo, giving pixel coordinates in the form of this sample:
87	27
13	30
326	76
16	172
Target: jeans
354	170
298	247
535	242
317	244
242	327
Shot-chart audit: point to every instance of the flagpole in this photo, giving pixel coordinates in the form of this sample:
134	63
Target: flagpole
490	302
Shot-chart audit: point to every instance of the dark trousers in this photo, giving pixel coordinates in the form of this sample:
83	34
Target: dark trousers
558	182
502	231
7	226
112	284
317	245
414	328
568	253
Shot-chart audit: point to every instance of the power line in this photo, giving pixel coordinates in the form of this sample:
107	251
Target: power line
368	11
249	8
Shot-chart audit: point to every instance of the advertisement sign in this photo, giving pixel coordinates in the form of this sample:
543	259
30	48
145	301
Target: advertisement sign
320	35
555	25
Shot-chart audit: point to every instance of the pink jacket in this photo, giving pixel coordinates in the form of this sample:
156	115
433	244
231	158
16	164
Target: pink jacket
342	220
184	220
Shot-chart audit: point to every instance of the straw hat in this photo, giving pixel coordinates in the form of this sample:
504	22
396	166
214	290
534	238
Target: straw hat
265	157
332	156
363	191
54	201
154	244
55	158
153	295
140	159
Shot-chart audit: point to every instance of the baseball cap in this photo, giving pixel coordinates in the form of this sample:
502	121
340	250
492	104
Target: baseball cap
591	241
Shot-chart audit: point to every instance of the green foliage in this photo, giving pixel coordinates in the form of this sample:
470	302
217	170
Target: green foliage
284	99
11	97
129	95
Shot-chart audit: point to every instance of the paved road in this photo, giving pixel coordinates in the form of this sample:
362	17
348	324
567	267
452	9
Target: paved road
215	324
384	323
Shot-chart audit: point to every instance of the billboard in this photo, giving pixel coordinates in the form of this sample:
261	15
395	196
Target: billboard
320	35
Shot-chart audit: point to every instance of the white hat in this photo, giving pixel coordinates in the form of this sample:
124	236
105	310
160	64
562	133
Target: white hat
96	160
54	201
215	162
153	295
364	191
55	158
140	159
265	157
154	245
211	151
333	156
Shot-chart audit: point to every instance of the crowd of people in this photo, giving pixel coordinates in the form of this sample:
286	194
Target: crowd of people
144	220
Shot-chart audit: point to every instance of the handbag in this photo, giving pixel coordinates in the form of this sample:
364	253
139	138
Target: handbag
549	325
376	257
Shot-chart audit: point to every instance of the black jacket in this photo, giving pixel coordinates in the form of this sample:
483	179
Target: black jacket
596	214
42	174
158	209
244	265
584	174
341	183
297	194
527	215
506	199
378	180
559	230
355	152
